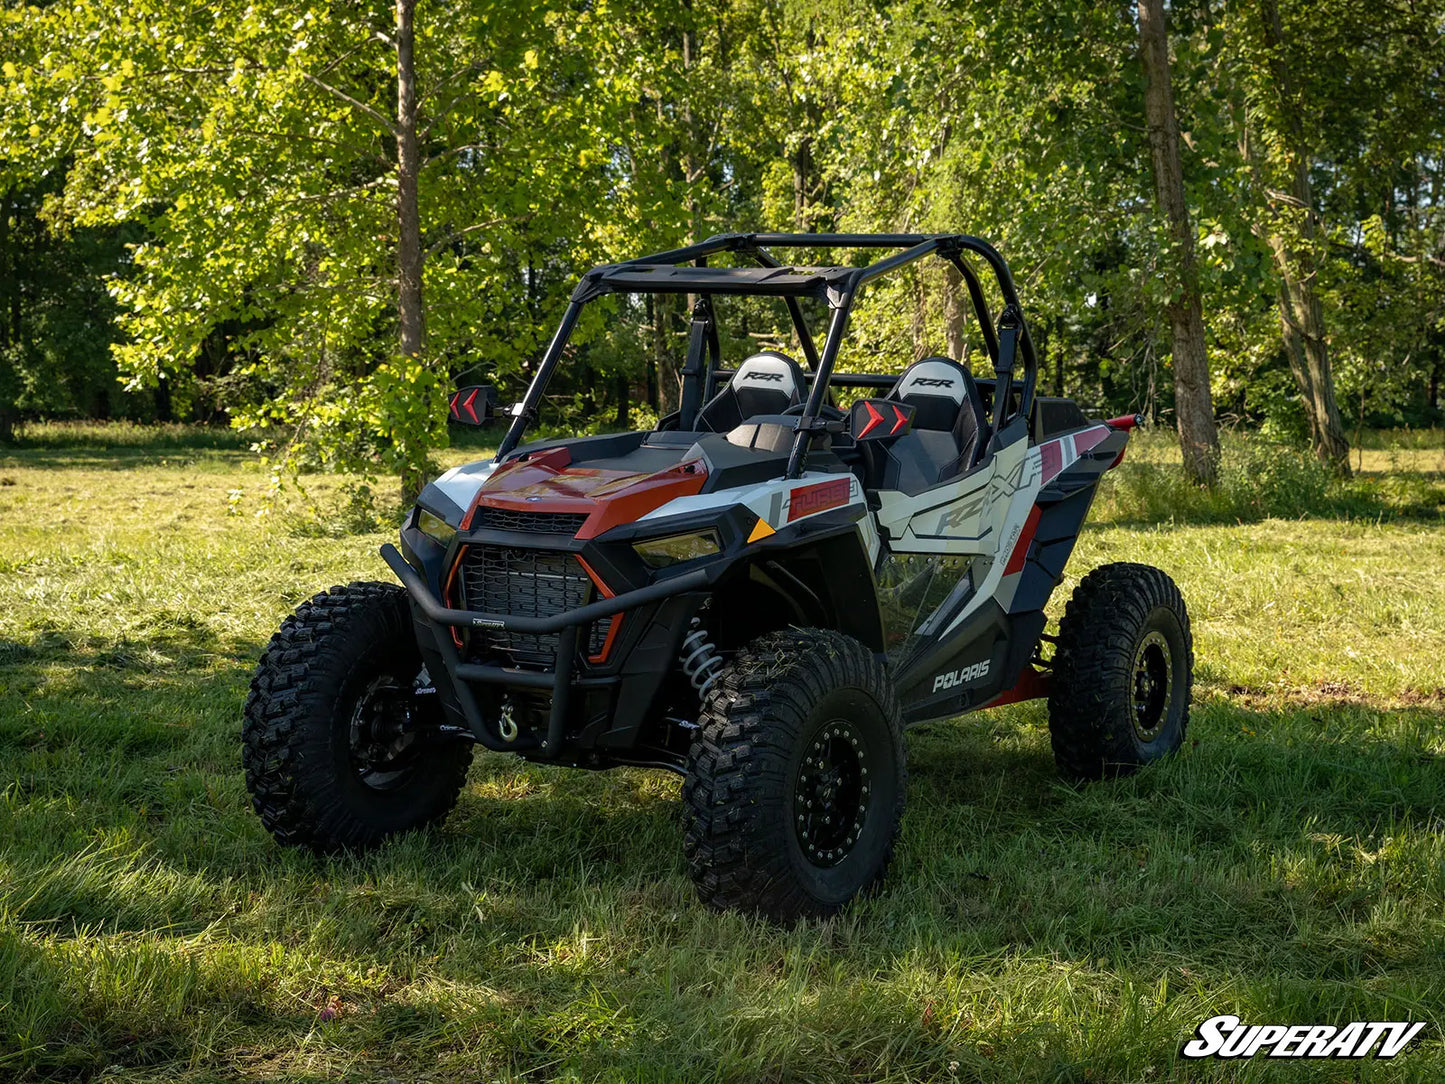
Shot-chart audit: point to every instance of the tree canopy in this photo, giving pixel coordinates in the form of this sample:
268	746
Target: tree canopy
314	220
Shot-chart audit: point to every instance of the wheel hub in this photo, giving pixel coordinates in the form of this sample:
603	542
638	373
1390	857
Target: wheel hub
831	795
383	744
1152	684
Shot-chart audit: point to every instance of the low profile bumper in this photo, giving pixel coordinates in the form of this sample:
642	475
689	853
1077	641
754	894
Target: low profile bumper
567	624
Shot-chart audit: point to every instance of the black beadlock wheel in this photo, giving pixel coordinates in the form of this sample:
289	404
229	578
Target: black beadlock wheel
1123	673
795	779
339	746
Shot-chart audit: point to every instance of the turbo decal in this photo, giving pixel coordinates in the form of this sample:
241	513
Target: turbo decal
810	500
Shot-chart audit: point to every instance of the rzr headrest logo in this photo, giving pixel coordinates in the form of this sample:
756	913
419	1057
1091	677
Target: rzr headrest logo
930	382
1226	1037
776	378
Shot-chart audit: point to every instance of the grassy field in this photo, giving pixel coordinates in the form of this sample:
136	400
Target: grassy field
1288	867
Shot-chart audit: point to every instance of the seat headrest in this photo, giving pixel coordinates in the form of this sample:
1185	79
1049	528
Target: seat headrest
934	376
770	371
766	383
937	388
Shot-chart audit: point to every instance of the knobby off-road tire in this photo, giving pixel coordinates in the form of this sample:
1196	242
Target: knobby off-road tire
795	778
324	675
1123	673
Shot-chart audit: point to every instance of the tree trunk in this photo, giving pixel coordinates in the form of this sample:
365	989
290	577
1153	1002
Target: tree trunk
669	394
408	212
1194	409
955	315
1301	319
9	319
408	170
1058	369
165	409
654	315
1043	343
624	405
9	271
694	166
918	326
1293	242
802	168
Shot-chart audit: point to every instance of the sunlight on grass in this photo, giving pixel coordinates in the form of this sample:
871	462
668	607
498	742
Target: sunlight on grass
1287	866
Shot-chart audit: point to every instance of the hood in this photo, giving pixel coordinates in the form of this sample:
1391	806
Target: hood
548	483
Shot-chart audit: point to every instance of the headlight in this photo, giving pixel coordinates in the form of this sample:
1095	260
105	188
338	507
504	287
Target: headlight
677	548
434	527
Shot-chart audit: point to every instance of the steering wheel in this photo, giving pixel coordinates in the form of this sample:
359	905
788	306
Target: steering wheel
828	413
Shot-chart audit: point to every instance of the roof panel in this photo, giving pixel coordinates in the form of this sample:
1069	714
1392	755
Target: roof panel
765	281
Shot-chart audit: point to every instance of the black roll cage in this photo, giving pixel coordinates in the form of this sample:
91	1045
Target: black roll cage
838	286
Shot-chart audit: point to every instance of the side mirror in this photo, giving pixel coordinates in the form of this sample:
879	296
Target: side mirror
473	405
879	419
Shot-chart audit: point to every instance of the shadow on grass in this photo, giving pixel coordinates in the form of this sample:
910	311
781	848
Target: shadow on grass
1282	861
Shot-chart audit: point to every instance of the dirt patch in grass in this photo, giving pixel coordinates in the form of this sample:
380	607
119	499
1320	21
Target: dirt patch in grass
1329	694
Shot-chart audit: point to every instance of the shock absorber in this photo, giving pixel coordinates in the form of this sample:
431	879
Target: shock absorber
700	659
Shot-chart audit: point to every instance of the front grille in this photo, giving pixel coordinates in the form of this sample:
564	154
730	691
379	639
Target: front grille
507	519
527	583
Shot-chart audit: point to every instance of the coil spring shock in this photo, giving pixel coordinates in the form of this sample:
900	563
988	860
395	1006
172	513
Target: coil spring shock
700	660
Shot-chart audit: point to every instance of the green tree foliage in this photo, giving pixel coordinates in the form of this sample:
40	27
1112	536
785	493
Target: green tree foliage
248	169
256	147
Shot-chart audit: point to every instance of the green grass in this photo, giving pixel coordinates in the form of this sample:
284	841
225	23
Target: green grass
1289	866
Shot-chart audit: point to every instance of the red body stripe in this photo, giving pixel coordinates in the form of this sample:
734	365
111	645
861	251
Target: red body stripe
613	623
447	591
1021	547
1089	437
1053	454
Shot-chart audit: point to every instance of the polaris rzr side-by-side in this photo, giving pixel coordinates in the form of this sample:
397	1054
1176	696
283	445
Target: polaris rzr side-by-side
760	594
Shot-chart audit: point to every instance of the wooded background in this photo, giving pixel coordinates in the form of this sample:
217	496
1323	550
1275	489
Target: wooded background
315	219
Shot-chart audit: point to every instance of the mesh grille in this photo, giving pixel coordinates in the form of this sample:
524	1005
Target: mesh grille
507	519
527	583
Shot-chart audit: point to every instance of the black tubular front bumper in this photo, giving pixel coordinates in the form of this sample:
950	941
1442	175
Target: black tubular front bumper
560	681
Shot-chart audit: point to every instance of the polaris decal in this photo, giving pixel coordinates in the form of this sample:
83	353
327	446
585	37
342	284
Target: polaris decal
776	378
930	382
966	675
819	498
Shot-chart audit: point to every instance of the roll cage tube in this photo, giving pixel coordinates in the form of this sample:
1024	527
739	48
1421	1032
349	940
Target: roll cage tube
838	286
